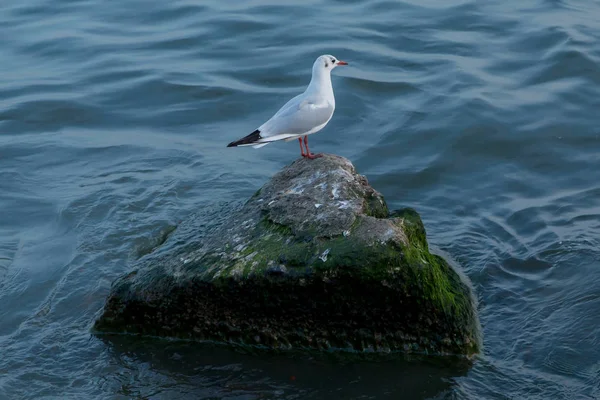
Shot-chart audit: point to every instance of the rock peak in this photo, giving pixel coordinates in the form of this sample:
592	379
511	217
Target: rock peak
321	197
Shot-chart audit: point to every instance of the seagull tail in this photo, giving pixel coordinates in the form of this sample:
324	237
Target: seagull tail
247	140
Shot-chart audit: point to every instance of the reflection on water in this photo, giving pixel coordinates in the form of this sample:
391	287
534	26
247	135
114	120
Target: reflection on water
222	372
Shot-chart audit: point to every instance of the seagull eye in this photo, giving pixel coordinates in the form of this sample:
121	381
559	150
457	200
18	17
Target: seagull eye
333	61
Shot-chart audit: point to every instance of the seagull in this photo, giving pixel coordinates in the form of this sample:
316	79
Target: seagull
303	115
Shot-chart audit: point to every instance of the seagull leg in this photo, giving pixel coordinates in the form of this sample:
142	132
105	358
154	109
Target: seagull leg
308	153
301	148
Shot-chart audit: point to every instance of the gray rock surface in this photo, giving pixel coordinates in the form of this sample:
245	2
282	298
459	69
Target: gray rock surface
313	260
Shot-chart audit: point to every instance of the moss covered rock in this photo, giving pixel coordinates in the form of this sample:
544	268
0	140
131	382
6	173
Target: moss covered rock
313	260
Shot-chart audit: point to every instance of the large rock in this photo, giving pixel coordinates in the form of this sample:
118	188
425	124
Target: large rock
312	260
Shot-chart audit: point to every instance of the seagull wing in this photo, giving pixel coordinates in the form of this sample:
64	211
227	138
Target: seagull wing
297	117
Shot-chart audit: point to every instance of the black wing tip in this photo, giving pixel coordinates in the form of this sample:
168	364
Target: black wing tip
251	138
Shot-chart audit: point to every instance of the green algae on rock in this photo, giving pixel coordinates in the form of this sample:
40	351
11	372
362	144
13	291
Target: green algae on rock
313	260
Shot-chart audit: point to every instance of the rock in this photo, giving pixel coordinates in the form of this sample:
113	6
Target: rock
313	260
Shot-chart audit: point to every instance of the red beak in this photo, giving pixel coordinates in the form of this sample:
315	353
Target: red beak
340	62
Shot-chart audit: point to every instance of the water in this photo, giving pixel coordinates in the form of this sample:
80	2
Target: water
481	115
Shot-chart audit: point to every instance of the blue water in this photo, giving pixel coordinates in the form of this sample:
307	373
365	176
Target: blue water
114	118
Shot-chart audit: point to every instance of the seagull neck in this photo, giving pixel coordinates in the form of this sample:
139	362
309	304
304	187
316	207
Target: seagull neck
320	82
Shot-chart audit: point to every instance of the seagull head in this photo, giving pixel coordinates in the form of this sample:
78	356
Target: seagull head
327	62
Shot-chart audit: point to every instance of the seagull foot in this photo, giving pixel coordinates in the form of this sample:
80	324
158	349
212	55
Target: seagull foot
312	156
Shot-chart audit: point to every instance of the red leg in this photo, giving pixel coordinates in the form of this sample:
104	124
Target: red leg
308	153
301	148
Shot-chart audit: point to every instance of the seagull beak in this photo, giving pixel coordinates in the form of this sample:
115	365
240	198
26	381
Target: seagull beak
340	62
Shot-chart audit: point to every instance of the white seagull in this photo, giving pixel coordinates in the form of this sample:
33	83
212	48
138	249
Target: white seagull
303	115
